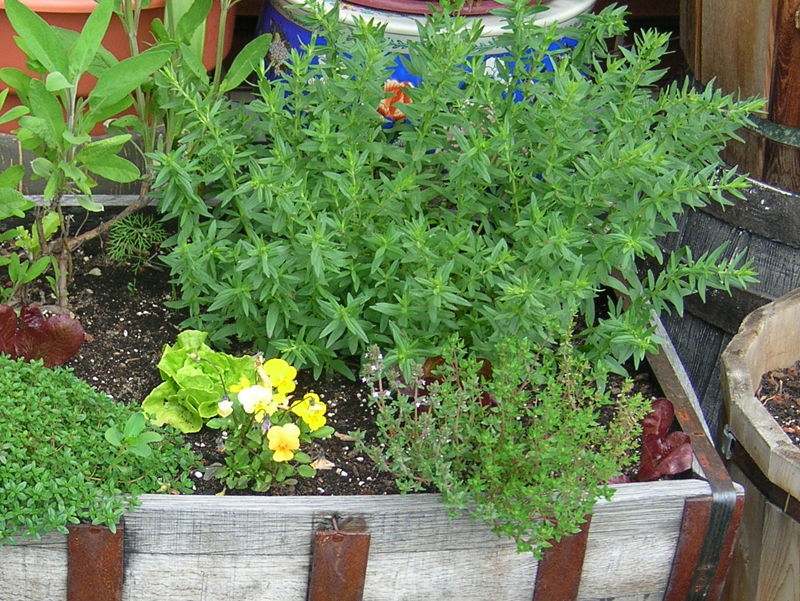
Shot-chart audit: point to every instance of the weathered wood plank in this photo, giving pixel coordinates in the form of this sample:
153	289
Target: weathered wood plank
247	548
34	570
743	579
765	211
785	93
781	165
780	557
777	266
737	45
698	346
747	155
690	34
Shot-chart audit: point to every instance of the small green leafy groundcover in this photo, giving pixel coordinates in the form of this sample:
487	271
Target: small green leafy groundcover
69	453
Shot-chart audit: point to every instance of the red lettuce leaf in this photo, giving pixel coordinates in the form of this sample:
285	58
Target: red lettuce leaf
31	316
8	328
54	340
663	454
659	420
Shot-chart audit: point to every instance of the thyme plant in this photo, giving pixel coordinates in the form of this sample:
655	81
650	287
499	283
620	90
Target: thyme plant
523	450
509	192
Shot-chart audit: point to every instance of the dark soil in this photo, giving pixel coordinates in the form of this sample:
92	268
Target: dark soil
129	325
779	392
127	321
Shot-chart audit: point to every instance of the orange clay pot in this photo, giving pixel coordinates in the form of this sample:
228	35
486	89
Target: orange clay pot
72	14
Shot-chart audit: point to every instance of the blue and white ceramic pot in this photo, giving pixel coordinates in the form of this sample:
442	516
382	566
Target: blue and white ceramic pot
279	17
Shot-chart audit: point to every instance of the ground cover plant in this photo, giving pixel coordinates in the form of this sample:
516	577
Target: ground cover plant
75	454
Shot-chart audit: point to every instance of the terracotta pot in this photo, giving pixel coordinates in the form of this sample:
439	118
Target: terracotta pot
72	14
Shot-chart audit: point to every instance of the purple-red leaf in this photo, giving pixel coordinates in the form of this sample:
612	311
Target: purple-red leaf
663	454
54	340
659	420
8	328
31	316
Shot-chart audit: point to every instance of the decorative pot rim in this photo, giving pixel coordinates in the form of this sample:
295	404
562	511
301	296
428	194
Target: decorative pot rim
405	25
479	7
743	362
69	6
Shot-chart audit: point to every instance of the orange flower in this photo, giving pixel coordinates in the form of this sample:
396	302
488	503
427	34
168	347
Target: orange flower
386	107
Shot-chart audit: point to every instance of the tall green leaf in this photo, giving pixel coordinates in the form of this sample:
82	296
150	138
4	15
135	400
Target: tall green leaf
245	62
39	38
45	106
113	167
124	77
189	21
83	52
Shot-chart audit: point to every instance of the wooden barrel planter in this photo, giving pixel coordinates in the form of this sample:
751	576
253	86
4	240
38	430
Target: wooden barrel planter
766	227
751	48
766	564
668	540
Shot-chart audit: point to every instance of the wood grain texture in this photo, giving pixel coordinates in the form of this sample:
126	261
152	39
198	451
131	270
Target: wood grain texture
765	211
34	570
699	346
742	581
780	558
737	45
767	340
247	548
785	92
781	165
748	154
689	31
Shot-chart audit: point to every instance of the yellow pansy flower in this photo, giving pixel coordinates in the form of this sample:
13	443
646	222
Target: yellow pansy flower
283	441
259	401
311	410
281	375
243	383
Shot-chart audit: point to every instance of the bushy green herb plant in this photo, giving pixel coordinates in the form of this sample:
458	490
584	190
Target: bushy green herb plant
68	454
523	450
508	194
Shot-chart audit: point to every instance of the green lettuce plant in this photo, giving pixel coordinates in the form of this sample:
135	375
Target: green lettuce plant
60	461
195	380
250	401
507	194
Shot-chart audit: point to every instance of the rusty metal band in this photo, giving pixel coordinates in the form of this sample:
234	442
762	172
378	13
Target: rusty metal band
713	559
696	512
339	565
94	563
771	491
558	576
